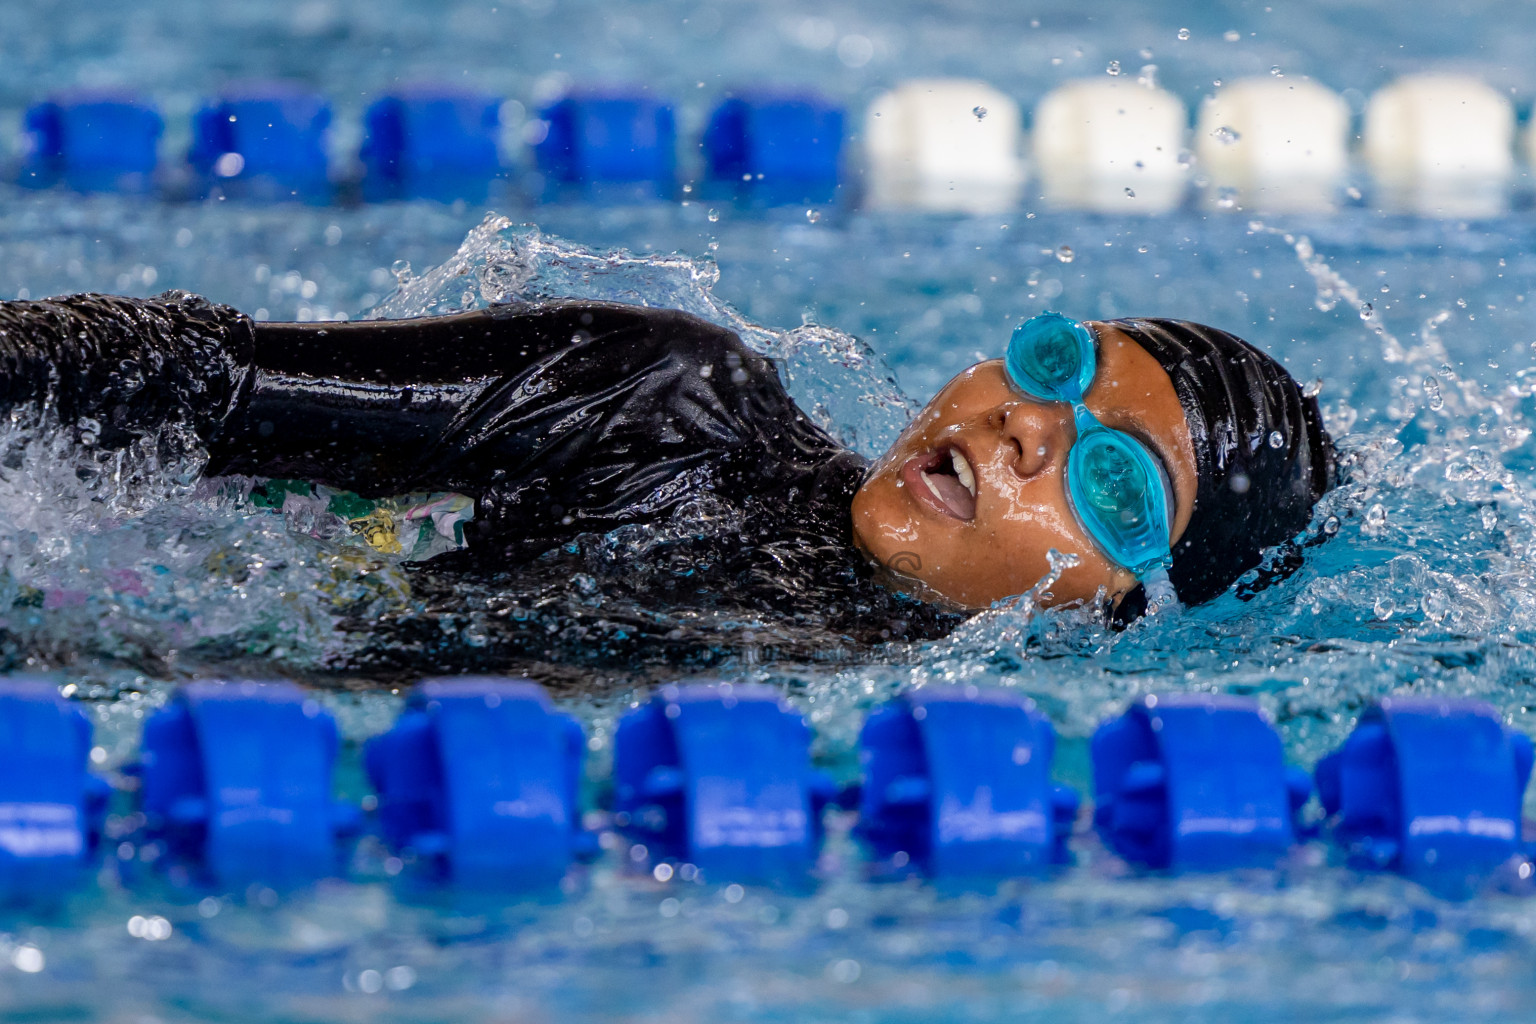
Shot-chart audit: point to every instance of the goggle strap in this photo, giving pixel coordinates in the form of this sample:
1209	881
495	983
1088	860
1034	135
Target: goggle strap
1161	596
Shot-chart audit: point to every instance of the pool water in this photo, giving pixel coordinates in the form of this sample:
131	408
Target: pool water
125	576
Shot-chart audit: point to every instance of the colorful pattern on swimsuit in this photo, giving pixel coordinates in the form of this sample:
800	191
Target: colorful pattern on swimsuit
414	527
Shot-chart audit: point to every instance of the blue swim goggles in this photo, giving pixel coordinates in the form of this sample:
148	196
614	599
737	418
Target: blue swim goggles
1118	493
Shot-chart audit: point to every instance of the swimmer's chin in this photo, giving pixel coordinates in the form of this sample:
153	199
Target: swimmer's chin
902	583
890	575
894	579
910	586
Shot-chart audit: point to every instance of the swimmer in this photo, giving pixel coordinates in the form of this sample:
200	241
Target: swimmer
1167	456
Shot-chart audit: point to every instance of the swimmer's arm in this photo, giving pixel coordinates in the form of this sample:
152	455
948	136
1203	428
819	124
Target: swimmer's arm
381	406
496	399
115	368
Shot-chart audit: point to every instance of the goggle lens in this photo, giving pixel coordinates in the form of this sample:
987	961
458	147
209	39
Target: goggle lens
1112	480
1051	358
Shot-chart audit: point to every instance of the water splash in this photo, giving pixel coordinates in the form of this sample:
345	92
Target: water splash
841	383
1450	549
133	561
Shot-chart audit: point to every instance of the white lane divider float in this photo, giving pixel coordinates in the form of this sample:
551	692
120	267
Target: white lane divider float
1440	145
1110	146
944	144
1276	144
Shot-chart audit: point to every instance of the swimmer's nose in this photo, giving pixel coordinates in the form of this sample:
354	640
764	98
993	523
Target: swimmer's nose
1036	435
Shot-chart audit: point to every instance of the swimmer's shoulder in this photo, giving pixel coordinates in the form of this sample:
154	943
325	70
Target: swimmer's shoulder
680	334
600	317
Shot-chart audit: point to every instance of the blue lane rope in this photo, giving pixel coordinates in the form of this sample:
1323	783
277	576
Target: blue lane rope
478	783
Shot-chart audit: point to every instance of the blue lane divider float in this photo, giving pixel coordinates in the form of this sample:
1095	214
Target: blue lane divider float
719	776
609	144
1195	781
237	782
51	807
1428	786
959	781
91	141
775	148
480	777
431	142
263	142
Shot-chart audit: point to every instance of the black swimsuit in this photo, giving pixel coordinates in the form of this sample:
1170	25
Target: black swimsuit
644	455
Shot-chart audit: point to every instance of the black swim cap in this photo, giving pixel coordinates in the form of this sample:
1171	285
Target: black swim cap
1262	455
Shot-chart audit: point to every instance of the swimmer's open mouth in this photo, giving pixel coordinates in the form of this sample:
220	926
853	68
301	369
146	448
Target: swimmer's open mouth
944	481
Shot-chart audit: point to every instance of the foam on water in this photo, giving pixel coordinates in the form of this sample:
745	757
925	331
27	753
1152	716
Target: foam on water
840	382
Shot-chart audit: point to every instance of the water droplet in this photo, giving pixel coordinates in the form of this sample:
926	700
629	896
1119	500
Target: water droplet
1313	387
401	269
1384	608
1239	483
1367	311
714	246
1436	605
1183	35
1232	35
1225	134
1130	193
1186	158
714	216
1276	439
813	215
1490	517
1226	197
1331	525
1432	393
980	112
1064	253
1277	72
1375	521
1113	69
28	959
1353	192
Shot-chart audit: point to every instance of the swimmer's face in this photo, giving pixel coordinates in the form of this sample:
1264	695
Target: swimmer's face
972	495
